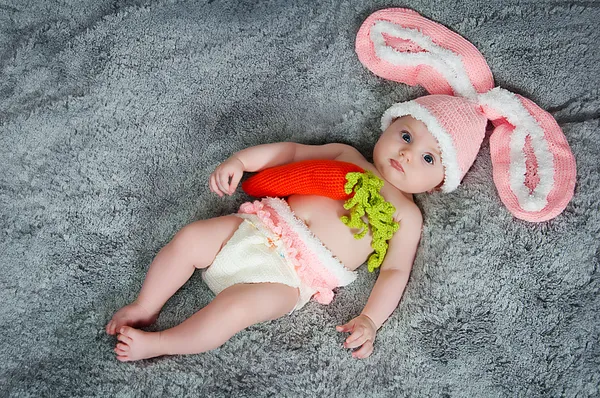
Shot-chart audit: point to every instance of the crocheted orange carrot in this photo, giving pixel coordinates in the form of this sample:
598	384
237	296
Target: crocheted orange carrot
308	177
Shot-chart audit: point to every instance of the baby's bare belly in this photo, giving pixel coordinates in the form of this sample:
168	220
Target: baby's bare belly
322	215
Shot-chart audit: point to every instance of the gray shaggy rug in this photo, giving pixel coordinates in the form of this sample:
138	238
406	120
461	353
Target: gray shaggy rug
113	113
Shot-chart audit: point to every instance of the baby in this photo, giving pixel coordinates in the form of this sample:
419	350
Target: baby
274	255
406	157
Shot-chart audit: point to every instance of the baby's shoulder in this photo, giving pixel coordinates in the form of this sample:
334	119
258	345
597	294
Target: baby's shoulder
351	155
406	208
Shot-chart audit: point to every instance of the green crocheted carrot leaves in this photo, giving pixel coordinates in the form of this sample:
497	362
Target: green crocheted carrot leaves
367	200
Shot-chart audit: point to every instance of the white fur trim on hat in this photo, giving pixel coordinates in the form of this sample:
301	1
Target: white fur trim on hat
452	172
446	62
508	105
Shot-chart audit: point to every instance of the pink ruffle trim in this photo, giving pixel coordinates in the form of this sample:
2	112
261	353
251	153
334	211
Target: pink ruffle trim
309	267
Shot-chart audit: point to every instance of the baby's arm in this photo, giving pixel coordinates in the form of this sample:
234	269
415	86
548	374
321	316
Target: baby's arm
260	157
389	287
226	177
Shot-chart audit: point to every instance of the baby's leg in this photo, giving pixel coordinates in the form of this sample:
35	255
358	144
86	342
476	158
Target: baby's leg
194	246
234	309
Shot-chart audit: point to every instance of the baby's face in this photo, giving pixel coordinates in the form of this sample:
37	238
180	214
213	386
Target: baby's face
408	156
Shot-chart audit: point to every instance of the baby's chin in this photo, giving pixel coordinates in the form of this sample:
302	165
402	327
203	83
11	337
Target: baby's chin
415	189
427	190
408	189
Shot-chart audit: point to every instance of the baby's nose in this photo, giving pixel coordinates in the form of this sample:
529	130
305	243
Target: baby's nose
405	155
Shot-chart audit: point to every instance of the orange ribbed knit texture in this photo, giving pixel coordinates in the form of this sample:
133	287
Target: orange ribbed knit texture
307	177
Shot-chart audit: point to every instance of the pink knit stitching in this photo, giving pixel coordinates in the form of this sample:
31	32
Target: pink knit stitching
307	264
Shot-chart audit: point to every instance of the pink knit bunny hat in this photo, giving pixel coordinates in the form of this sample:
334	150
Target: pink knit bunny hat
533	167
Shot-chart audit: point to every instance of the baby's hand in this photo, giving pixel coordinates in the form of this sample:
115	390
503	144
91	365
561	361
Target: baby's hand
362	333
219	181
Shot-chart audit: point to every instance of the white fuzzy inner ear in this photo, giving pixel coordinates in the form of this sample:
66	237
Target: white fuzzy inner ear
508	105
444	61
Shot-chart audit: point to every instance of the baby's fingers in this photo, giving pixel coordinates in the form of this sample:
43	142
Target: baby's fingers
348	327
365	351
235	180
223	182
356	339
213	185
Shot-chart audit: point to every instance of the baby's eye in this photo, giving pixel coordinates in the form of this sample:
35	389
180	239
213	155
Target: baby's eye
428	158
406	136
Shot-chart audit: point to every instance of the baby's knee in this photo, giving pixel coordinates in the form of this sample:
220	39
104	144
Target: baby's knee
214	230
185	238
201	241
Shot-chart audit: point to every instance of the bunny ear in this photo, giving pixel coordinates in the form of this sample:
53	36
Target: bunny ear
534	169
401	45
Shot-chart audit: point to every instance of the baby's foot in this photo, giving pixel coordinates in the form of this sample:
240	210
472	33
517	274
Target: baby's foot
131	315
135	344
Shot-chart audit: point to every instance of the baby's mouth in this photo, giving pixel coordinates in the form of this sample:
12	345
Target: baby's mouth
396	165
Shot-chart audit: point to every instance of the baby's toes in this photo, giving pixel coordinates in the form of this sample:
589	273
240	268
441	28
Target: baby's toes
122	347
113	326
126	331
124	338
110	328
119	352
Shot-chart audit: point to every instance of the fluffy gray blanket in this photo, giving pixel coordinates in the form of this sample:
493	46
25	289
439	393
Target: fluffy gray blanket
114	113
